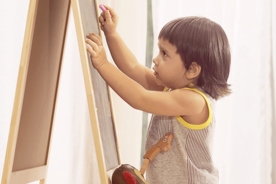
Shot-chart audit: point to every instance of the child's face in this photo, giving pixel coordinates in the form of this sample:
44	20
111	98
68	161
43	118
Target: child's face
169	69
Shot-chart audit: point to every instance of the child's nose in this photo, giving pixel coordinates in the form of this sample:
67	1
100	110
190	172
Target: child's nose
155	60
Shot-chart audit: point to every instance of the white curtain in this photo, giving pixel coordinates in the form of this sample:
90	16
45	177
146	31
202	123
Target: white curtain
245	119
245	145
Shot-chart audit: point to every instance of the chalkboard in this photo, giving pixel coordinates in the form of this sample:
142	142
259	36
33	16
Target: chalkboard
36	92
87	22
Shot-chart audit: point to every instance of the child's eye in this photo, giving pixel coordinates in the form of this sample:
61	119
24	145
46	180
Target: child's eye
163	53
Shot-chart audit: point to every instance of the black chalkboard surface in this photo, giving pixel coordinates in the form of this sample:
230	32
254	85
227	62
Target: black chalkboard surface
89	19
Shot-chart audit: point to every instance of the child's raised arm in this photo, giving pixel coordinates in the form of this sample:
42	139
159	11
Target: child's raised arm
122	56
177	102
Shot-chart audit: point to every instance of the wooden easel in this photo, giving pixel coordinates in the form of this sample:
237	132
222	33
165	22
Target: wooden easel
36	92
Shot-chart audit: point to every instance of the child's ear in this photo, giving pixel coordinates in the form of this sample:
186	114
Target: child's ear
193	71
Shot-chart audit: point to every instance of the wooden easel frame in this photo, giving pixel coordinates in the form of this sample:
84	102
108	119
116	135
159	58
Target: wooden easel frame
17	174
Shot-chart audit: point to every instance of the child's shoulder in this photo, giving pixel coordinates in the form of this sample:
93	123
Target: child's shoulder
199	104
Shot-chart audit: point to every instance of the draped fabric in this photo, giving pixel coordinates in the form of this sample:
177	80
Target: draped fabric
245	140
245	133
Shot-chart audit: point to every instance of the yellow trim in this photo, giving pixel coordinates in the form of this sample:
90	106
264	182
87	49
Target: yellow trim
165	88
200	126
193	126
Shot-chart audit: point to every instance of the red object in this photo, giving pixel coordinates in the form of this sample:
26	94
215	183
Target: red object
129	178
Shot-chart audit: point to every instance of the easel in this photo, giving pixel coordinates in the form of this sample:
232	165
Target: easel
36	91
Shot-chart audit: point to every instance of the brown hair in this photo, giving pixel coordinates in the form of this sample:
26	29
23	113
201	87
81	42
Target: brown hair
203	41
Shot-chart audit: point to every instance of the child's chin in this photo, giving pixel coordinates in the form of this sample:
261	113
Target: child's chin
158	82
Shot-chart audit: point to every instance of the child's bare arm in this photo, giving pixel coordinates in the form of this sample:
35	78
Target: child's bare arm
177	102
122	56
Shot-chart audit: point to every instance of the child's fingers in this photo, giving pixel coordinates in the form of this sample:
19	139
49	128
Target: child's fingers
92	47
102	27
107	15
91	51
95	38
101	19
112	12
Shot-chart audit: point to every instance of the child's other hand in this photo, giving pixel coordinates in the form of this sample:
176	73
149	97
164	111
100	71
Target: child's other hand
108	20
96	50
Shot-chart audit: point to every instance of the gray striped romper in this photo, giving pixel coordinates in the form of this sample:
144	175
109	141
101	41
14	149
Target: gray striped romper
189	161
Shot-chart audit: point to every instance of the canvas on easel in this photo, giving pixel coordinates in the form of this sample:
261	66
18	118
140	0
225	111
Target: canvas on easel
36	92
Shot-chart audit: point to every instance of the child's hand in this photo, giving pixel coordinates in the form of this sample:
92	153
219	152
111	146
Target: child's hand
96	50
108	20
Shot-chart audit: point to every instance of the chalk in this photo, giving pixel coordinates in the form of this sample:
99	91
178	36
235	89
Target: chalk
102	7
